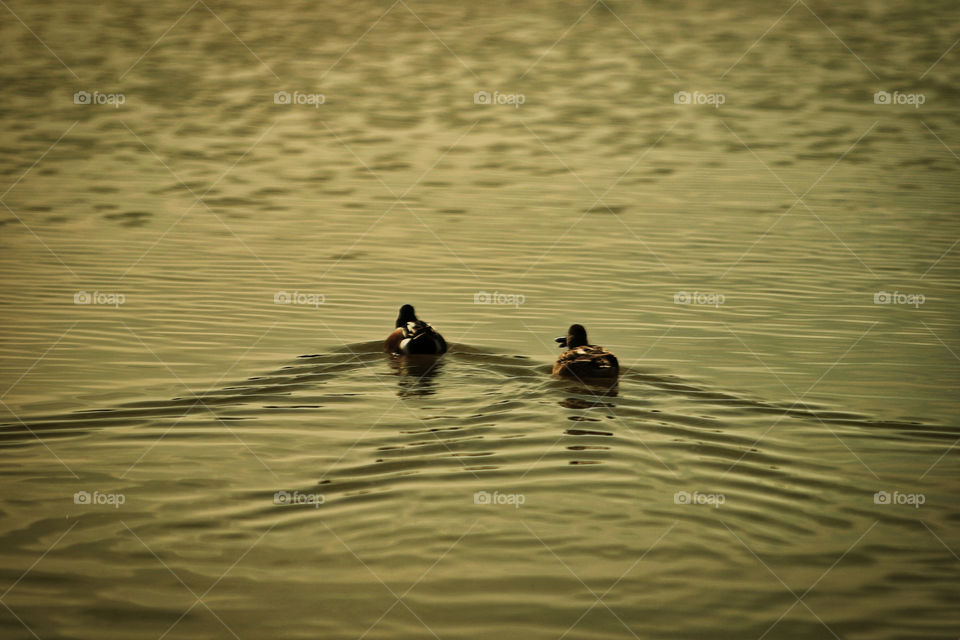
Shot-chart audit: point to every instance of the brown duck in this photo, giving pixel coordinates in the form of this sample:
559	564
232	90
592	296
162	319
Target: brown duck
582	359
413	336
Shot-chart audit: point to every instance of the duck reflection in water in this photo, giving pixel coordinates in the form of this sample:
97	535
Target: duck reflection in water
589	394
416	374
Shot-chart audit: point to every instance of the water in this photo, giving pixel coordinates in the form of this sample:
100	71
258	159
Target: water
783	403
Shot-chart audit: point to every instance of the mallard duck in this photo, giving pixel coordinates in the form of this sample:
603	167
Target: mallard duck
413	336
582	359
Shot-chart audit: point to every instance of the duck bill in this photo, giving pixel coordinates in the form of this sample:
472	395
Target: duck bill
562	340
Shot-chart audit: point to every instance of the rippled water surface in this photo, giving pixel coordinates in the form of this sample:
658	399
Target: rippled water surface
777	274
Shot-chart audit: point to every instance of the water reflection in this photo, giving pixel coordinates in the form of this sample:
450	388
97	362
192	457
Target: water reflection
416	374
590	394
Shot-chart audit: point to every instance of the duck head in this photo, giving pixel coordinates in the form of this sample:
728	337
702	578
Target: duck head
407	314
576	337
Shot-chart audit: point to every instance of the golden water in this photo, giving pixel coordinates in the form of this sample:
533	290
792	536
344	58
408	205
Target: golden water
786	400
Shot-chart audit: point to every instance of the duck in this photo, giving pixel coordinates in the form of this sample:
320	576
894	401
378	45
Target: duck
582	359
413	336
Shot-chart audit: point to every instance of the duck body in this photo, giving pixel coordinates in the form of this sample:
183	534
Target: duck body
589	361
582	360
413	336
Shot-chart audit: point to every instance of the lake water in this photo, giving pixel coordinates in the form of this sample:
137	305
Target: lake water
754	206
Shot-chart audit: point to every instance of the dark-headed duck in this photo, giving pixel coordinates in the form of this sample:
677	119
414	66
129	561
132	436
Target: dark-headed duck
413	336
582	359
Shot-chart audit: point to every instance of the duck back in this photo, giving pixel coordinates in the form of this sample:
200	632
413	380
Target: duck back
588	361
420	338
